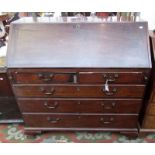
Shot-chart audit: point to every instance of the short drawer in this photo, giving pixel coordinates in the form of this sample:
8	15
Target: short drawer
79	91
79	106
113	77
42	77
81	121
149	122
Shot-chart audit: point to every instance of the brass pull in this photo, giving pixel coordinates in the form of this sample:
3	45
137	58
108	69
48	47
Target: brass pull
1	113
110	78
105	121
78	102
51	107
77	89
110	93
108	107
106	89
51	92
45	77
53	120
74	78
1	78
146	78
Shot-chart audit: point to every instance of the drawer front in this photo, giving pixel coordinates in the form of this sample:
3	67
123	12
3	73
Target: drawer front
79	106
118	77
42	77
5	87
79	91
149	122
81	121
9	109
151	109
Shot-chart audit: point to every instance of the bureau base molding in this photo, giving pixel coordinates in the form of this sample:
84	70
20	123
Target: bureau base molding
144	132
130	133
79	129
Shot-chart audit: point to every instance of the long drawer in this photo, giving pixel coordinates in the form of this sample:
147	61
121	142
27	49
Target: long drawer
82	121
79	106
42	77
79	91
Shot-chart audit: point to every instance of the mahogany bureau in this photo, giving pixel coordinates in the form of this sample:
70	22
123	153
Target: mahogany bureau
79	75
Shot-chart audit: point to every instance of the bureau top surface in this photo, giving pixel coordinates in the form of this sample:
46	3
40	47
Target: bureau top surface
78	45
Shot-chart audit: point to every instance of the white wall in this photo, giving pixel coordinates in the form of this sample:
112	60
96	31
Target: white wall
150	17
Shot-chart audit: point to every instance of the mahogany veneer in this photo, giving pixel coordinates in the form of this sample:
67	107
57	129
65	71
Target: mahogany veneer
79	75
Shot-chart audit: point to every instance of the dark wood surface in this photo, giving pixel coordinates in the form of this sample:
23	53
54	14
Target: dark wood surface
73	105
83	76
5	87
9	111
82	121
78	44
60	72
148	123
117	91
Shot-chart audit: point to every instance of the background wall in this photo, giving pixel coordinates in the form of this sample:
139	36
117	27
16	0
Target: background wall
150	17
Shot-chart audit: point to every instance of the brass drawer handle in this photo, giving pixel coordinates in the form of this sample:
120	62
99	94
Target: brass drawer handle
106	89
53	120
146	78
51	107
46	77
51	92
106	121
111	78
1	79
74	78
108	107
108	93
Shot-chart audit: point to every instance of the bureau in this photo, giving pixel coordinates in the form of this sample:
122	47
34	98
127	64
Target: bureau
70	75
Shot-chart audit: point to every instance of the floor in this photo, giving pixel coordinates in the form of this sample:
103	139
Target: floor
15	134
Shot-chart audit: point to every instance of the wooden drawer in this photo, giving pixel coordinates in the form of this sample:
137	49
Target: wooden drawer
113	77
82	121
79	91
5	87
42	77
79	106
149	122
9	109
151	109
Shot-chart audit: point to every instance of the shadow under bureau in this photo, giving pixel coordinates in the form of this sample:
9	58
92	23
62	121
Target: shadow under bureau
79	76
